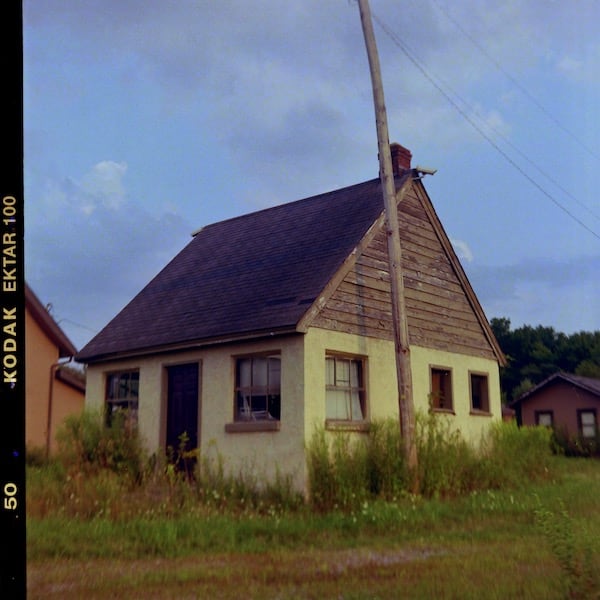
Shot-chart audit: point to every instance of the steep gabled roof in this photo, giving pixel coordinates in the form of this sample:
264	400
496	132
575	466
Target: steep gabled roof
279	271
588	384
48	325
252	275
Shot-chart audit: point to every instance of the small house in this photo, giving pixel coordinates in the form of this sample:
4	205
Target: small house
53	391
565	402
273	323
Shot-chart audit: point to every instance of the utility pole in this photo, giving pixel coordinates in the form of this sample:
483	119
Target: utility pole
401	341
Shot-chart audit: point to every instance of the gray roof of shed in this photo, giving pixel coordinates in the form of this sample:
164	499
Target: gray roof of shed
251	275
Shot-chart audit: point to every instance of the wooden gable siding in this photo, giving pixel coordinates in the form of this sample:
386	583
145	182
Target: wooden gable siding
440	315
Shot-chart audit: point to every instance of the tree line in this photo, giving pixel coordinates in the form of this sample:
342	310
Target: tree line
535	353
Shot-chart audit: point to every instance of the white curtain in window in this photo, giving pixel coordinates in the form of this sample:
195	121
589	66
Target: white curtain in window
343	403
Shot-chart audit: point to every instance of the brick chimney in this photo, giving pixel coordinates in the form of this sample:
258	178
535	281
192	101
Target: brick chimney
401	158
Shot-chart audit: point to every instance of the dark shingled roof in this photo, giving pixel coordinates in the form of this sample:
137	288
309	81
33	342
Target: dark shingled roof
251	275
589	384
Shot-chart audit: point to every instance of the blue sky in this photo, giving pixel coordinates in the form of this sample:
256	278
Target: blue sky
147	119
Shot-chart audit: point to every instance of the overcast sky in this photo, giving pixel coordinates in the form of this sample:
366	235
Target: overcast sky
147	119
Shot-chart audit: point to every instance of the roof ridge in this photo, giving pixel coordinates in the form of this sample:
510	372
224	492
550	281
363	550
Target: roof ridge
284	205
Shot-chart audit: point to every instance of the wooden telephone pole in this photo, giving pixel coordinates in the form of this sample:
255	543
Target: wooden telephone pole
401	342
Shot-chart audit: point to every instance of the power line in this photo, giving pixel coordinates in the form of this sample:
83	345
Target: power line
515	82
400	44
507	141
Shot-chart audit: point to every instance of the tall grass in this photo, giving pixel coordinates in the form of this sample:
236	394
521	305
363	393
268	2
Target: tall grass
575	550
346	470
102	471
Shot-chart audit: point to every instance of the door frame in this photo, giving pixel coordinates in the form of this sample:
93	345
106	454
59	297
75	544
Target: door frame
165	400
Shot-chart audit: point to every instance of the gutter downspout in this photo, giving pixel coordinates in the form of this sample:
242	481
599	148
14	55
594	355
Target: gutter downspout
53	369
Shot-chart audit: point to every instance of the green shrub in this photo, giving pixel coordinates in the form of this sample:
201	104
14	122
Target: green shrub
387	473
345	471
337	470
512	455
574	445
447	465
87	445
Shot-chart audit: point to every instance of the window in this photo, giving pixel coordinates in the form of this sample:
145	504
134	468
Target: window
545	418
587	423
122	391
345	389
441	389
480	401
258	388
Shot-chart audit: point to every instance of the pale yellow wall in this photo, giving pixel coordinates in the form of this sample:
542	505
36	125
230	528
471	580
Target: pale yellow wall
472	426
380	375
382	395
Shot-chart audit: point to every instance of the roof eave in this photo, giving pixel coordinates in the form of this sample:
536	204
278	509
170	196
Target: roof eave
48	325
190	345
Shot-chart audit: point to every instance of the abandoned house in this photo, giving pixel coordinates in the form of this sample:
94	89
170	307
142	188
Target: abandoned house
276	322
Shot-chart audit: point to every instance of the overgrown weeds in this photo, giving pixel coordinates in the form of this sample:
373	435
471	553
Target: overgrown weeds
345	469
98	467
87	446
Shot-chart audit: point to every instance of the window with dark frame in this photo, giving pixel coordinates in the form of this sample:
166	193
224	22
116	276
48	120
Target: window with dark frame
480	400
258	388
544	418
345	388
122	395
441	389
587	423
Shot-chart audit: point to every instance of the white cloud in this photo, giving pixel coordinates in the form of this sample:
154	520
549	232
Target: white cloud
104	183
462	250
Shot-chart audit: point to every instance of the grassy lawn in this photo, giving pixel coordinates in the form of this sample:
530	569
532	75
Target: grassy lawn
538	541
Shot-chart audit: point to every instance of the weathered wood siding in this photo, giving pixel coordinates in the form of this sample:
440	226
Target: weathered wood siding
440	314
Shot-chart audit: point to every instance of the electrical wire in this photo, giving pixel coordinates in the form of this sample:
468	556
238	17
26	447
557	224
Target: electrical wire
406	51
514	81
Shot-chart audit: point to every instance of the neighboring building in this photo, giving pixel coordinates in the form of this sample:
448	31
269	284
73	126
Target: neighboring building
52	390
270	324
566	402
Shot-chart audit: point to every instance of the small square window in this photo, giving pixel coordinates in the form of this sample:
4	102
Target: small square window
587	423
441	389
544	418
122	394
480	401
258	388
344	388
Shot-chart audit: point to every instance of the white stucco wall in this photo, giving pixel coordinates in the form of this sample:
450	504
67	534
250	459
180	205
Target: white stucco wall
261	451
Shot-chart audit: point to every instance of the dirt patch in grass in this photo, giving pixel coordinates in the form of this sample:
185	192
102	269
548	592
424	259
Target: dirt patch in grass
283	574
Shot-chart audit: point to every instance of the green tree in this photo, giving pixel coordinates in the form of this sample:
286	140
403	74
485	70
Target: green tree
535	353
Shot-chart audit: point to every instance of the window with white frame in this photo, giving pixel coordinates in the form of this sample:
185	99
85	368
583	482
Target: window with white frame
122	395
258	388
345	388
587	423
544	418
480	400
